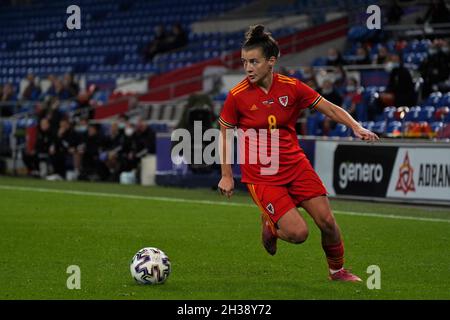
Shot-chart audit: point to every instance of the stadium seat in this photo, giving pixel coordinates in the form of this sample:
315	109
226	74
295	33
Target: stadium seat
400	113
426	114
369	125
441	113
379	127
437	126
389	113
447	118
340	131
412	114
444	100
313	124
394	129
433	99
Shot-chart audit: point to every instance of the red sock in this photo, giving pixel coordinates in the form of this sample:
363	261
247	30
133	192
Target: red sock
335	255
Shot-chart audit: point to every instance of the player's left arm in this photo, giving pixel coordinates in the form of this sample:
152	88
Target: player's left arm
338	114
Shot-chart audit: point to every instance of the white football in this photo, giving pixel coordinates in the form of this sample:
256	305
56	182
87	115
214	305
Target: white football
150	266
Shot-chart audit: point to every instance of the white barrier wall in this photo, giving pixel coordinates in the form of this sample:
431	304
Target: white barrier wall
395	171
422	173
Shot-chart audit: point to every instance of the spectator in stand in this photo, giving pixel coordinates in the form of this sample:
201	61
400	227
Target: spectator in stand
114	144
307	74
62	149
329	92
43	142
352	100
70	86
92	168
340	79
58	90
123	123
7	101
362	56
400	88
80	137
176	39
437	12
86	106
54	115
444	86
394	13
334	57
31	92
436	67
51	90
284	71
127	153
145	139
382	55
312	83
157	45
445	48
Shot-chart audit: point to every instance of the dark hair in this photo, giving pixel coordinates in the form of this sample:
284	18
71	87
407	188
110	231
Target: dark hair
256	37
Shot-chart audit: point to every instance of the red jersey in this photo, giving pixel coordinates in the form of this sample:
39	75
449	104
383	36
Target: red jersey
248	107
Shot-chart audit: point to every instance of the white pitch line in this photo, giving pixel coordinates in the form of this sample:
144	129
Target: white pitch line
124	196
207	202
389	216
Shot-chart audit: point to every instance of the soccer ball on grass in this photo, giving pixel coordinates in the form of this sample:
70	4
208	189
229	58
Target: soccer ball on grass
150	266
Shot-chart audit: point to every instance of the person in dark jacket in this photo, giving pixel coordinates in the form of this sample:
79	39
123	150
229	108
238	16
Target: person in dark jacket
91	166
400	83
62	147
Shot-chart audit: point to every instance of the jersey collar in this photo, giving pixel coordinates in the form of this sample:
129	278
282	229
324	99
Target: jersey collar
255	86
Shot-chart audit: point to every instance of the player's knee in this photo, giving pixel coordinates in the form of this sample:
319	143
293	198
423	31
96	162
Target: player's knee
298	236
328	224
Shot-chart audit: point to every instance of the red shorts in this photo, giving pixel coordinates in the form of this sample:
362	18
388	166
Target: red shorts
276	200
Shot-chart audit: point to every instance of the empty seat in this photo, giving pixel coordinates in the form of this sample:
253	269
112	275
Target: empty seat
394	129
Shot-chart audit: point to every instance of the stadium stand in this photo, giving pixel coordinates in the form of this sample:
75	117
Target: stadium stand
99	72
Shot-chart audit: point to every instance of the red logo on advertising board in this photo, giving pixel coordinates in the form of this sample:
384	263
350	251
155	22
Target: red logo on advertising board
405	181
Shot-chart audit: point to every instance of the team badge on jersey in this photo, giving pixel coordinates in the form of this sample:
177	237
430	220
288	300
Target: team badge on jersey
270	208
283	100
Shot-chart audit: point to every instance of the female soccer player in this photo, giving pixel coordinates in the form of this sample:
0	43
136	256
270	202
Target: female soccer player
271	101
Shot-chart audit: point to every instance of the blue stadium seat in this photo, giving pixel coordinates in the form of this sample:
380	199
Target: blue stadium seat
7	127
389	113
340	131
413	114
314	124
437	126
394	129
319	62
379	127
433	99
444	100
447	118
426	114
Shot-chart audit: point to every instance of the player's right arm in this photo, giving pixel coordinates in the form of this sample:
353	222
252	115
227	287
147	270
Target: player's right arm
228	120
226	183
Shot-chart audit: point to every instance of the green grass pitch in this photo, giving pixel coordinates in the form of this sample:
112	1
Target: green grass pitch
214	247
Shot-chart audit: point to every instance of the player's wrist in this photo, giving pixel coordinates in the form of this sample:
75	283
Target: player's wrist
356	126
